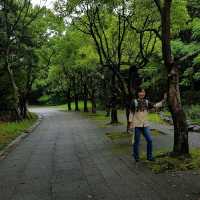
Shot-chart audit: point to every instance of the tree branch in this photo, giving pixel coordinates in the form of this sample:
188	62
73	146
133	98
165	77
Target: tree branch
158	4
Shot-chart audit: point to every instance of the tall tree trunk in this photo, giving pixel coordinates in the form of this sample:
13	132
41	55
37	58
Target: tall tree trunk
85	98
16	114
181	146
93	101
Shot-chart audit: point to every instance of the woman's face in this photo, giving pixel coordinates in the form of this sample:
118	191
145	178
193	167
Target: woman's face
141	94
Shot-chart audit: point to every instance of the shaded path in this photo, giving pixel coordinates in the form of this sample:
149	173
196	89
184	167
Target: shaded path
69	158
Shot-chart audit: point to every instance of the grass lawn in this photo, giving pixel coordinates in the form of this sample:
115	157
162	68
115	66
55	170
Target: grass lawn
100	116
10	130
81	106
155	117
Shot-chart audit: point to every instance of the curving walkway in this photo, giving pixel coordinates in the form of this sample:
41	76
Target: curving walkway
68	157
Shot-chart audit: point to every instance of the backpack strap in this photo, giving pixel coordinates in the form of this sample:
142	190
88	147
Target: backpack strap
136	103
147	103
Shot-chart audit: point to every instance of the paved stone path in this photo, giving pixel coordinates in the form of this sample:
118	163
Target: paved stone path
69	158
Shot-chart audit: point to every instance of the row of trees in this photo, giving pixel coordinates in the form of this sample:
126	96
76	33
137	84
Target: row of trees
100	51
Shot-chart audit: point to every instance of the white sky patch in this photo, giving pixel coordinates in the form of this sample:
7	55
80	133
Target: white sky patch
47	3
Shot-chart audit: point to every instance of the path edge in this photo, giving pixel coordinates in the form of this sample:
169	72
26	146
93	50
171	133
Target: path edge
11	146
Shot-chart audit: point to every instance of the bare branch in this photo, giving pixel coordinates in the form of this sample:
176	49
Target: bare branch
158	4
189	56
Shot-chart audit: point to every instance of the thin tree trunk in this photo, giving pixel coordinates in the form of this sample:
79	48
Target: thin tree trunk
93	101
114	117
76	103
107	109
75	96
85	98
69	99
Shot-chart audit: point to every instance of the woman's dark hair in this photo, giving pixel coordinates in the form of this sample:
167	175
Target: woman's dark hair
140	89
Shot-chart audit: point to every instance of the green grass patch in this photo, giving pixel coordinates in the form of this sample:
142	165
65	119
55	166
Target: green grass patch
99	116
165	163
10	130
118	135
155	117
64	107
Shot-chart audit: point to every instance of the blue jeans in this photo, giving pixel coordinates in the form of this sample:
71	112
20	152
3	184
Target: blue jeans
146	133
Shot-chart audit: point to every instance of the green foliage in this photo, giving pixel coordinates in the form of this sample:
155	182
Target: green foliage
180	15
193	113
196	28
44	100
155	117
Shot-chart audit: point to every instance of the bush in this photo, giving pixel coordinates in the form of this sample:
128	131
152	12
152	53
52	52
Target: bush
193	113
44	99
51	100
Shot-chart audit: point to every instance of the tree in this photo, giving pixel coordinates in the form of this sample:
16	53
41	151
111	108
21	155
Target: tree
181	146
16	18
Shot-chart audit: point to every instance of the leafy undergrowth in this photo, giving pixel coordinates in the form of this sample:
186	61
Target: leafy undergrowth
165	163
10	130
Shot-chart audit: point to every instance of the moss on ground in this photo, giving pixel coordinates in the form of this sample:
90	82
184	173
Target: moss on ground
164	162
101	118
10	130
155	132
122	142
122	148
122	145
118	135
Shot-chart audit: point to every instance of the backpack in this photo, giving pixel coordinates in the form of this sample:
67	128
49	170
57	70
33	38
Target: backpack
136	103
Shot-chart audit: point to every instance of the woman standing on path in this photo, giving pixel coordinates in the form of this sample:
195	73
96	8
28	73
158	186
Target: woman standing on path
138	120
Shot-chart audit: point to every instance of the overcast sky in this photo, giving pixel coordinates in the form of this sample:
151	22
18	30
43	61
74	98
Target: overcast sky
48	4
